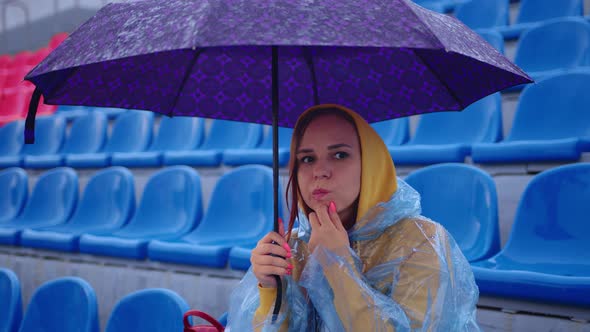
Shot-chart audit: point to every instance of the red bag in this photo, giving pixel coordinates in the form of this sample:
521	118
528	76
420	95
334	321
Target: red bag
214	327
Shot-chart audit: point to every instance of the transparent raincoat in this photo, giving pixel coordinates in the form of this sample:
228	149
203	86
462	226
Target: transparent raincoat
402	272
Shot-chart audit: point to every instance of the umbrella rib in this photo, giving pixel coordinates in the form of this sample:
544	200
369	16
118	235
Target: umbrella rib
435	73
314	79
196	56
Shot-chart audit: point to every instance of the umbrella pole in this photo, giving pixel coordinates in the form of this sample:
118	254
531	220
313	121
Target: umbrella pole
275	164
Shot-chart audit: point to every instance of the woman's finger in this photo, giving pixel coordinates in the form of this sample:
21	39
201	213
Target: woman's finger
324	217
271	249
267	260
333	213
270	270
281	228
313	220
273	236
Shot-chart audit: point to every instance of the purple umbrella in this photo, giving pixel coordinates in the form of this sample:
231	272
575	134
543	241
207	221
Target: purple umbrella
233	59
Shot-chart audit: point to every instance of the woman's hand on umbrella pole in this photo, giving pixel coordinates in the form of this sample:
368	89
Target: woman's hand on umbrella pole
271	257
327	230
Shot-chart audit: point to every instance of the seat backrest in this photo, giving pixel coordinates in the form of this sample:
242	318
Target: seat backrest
551	223
393	132
225	134
463	199
53	198
14	190
148	310
108	199
240	209
540	10
558	44
553	108
171	203
12	138
285	135
483	14
87	134
179	133
66	304
132	132
479	122
49	136
494	38
11	306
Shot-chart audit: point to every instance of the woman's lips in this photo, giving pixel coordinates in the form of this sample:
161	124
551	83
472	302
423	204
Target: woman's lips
318	194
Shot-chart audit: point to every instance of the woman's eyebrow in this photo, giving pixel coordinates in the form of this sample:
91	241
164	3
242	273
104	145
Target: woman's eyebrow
304	151
338	146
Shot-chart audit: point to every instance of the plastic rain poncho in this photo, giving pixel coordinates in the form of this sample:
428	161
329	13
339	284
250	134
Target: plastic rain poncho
403	272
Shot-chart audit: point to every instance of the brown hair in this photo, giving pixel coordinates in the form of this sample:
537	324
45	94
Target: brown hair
292	194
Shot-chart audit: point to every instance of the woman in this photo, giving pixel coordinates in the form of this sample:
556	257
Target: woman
362	258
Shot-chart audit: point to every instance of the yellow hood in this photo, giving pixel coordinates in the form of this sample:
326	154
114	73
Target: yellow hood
378	179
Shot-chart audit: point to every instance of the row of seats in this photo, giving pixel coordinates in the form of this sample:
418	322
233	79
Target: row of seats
545	259
495	14
547	126
168	225
69	304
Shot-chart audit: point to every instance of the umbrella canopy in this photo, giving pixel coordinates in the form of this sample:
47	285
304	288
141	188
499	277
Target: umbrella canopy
213	58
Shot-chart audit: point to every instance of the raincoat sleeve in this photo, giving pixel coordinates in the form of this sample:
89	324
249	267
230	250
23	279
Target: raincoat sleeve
418	281
267	299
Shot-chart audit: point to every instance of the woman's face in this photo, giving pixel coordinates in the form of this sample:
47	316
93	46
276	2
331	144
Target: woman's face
329	159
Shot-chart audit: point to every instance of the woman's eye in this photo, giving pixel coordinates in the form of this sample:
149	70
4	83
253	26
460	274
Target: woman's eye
340	155
306	159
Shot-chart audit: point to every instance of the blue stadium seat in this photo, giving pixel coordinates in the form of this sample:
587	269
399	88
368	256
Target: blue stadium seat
554	47
550	124
433	5
441	6
87	135
148	310
71	112
66	304
448	136
263	154
534	12
107	204
239	257
52	201
483	14
14	190
222	135
468	209
11	305
131	132
111	112
174	134
393	132
240	213
547	257
49	136
12	138
171	205
494	38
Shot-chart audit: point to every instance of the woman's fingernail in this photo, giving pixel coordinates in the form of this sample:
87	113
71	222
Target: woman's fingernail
288	255
286	246
332	207
290	266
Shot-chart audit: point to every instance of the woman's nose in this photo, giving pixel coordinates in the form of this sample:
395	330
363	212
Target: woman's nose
322	171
